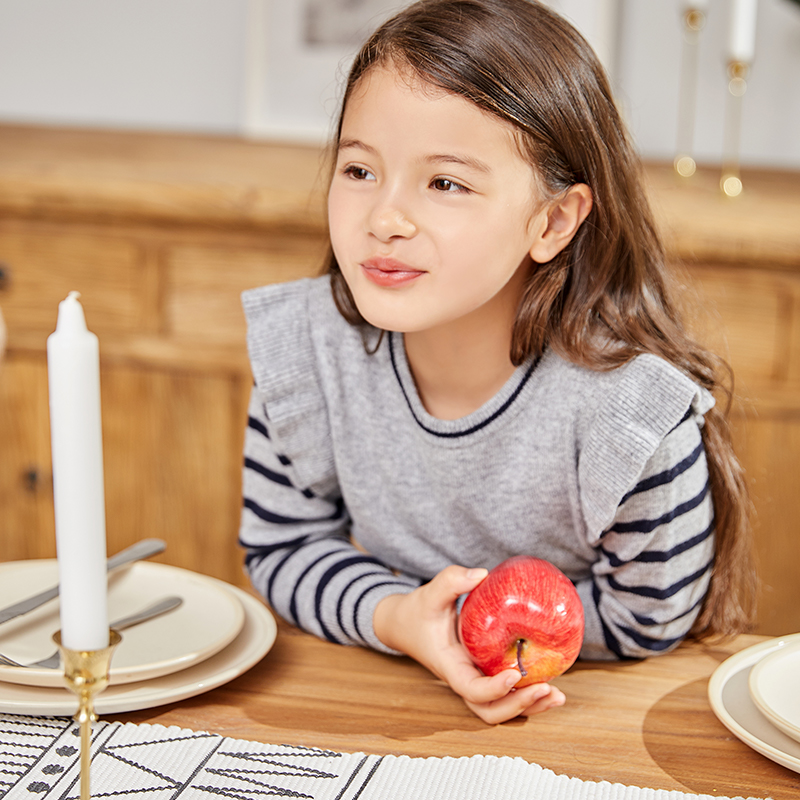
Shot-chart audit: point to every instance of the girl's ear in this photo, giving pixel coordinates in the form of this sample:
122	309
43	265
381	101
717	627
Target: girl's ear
560	221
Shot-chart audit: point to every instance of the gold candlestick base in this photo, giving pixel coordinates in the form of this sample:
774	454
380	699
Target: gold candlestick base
86	675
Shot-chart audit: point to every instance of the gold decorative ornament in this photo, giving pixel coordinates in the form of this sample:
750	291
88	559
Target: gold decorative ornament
694	20
731	181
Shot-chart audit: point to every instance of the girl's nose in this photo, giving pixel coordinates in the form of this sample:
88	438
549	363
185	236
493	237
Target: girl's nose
389	222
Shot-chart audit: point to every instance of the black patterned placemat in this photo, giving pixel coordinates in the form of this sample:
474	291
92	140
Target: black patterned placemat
40	760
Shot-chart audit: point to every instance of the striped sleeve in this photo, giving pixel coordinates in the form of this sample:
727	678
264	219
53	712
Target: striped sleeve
655	557
298	551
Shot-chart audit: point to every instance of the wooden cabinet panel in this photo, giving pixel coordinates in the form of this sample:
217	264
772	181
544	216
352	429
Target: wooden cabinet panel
46	262
793	334
204	283
27	527
745	316
768	446
750	317
172	446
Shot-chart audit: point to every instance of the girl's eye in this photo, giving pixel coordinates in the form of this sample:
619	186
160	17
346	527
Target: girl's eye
447	185
358	173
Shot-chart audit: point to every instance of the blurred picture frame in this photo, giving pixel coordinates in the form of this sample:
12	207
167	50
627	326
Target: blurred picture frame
298	54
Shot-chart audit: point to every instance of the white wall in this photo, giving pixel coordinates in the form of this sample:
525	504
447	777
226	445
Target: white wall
162	64
180	65
647	81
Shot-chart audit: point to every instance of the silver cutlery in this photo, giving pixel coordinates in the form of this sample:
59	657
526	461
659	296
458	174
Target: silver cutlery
157	609
136	552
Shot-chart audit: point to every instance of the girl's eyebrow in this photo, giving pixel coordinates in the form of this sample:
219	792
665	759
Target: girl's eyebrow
344	144
436	158
461	160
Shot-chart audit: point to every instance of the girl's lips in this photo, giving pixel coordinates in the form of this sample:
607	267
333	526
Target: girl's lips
388	272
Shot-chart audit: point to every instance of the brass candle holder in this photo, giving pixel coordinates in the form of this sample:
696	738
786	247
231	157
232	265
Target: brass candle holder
731	181
694	20
86	675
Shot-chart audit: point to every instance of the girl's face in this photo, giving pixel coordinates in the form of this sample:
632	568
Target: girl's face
432	209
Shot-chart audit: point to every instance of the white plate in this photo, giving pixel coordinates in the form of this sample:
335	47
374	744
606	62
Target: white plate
729	695
775	688
209	618
253	642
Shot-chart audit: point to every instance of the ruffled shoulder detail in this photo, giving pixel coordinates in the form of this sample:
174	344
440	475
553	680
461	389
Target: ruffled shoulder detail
284	364
650	398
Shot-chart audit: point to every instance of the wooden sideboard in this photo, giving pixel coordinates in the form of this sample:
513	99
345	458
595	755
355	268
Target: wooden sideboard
739	261
161	233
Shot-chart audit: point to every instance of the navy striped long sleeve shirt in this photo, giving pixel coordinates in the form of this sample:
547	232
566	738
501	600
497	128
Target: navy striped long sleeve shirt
353	492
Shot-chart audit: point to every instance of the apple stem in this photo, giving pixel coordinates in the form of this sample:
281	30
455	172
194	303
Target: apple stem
522	669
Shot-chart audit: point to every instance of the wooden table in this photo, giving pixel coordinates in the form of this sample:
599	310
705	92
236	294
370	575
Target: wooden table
642	723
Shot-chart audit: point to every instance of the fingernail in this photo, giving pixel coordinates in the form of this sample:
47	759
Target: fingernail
541	692
476	572
512	680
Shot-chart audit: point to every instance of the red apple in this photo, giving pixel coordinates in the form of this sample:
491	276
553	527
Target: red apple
525	615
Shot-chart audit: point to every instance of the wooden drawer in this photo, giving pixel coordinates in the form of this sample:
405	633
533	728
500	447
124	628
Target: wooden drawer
204	283
44	263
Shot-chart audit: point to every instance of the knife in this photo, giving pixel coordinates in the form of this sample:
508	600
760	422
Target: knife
156	610
143	549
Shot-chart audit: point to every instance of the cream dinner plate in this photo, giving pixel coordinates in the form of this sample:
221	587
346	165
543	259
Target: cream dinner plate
775	688
729	695
210	618
253	642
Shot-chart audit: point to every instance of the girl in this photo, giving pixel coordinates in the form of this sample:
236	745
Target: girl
491	366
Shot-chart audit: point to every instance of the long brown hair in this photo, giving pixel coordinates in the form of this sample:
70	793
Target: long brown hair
605	298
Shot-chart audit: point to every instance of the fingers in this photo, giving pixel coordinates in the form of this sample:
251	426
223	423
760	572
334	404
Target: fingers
495	700
524	702
480	689
553	699
452	582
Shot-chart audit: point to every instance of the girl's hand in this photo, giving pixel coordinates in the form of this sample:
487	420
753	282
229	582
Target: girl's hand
422	624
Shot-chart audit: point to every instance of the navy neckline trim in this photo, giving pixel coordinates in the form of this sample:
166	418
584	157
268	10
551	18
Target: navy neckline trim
483	423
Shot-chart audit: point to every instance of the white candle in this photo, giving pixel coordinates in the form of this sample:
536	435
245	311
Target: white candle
742	43
73	366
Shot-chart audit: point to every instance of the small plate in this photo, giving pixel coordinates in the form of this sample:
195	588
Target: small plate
775	688
253	642
729	695
209	618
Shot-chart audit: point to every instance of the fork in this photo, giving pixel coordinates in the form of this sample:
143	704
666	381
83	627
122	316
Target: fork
54	660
